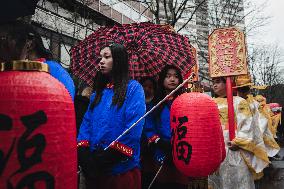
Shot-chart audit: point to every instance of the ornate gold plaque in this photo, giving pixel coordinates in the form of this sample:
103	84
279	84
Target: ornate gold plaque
227	52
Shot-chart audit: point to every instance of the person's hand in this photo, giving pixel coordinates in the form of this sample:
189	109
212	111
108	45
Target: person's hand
160	144
85	160
233	146
83	156
163	152
159	156
105	160
165	146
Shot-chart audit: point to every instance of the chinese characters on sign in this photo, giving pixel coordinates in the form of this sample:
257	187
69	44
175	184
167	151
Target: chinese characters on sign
227	53
29	148
183	148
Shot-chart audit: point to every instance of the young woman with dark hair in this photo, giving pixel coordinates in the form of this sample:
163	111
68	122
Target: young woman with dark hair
117	74
160	135
168	79
115	105
150	86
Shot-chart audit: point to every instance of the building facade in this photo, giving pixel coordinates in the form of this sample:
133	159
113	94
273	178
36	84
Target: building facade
63	23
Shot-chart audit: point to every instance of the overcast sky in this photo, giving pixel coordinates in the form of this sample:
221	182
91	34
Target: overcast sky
274	31
276	27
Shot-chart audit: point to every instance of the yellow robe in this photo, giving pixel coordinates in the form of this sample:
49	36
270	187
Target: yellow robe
262	121
265	112
276	120
235	172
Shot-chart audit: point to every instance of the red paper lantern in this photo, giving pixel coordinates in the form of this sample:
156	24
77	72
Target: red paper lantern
37	130
197	138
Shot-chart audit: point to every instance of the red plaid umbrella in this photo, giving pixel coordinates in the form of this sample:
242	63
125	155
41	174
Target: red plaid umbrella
150	48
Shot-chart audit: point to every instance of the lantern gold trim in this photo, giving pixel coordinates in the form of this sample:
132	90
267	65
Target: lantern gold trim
24	65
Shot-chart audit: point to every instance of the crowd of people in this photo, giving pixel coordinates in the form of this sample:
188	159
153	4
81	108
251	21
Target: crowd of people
115	102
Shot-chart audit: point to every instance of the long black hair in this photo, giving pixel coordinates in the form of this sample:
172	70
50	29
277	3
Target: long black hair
161	91
18	31
21	32
153	81
119	76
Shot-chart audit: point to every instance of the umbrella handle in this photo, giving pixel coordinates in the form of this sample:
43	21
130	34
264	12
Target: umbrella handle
147	113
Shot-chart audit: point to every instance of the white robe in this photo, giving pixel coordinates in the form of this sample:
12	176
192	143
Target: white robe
262	121
236	171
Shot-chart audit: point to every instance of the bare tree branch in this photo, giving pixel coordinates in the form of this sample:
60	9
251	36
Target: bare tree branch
264	63
192	14
173	10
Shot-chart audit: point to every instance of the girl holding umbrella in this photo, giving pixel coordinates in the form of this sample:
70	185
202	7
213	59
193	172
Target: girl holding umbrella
169	78
115	105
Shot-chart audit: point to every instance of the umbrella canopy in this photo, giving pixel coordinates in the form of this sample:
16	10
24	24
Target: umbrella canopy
150	48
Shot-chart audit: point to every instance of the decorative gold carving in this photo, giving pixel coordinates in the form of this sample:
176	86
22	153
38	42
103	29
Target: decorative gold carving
227	52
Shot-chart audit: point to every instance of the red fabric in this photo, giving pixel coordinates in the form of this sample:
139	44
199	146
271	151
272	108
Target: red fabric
128	180
40	59
109	85
198	144
153	139
37	132
83	143
122	148
150	48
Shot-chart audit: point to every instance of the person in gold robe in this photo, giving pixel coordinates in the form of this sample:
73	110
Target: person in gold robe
245	154
260	112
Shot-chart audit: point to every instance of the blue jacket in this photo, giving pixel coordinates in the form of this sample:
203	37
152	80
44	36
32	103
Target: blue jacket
163	123
158	125
149	128
106	122
58	72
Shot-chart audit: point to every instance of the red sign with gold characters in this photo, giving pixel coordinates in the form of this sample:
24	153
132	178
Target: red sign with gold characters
227	52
